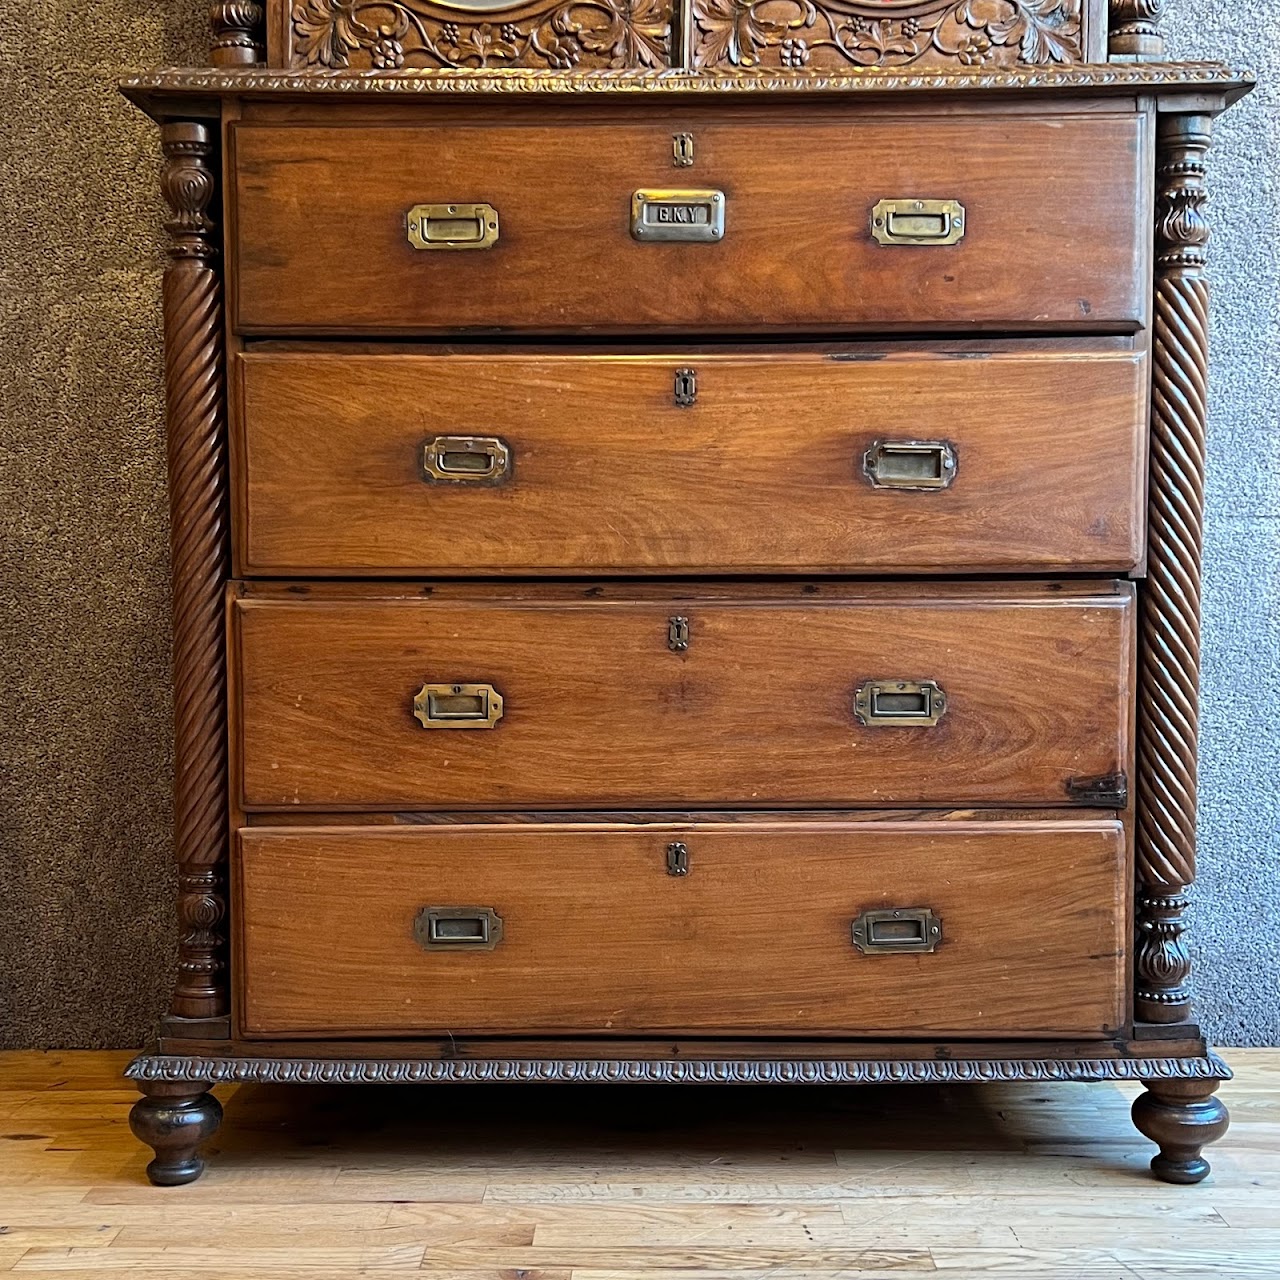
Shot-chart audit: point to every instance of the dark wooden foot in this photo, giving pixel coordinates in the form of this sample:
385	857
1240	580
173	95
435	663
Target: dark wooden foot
174	1119
1181	1116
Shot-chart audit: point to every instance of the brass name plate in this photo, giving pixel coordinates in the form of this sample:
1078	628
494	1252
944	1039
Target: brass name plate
695	217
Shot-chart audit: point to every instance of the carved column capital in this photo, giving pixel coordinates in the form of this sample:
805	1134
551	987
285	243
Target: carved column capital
1169	674
237	27
1134	33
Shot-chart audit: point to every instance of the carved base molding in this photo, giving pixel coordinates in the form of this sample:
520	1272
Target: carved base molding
219	1070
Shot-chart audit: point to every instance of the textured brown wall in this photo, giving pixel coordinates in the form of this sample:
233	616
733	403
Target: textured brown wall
85	874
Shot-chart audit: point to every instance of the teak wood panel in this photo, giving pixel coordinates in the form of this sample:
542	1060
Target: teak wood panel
758	711
764	471
1057	218
597	937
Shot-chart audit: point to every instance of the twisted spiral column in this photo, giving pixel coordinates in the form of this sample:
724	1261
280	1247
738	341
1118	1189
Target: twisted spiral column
1168	682
199	544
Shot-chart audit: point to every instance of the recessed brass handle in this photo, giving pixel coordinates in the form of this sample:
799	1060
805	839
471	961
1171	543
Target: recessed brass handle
466	460
691	216
458	928
457	706
897	929
910	464
452	226
917	221
900	703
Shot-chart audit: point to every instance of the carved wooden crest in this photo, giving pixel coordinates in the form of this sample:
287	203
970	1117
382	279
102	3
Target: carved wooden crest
826	34
551	34
565	35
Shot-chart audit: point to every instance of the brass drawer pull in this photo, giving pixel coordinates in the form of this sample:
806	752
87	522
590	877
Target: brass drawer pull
692	216
452	226
910	464
458	928
466	460
897	929
457	706
904	703
917	221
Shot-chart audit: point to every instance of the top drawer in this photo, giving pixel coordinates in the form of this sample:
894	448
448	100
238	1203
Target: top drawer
1047	229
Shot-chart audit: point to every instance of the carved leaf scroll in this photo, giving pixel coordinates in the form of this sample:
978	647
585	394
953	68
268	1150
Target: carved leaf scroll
828	34
390	35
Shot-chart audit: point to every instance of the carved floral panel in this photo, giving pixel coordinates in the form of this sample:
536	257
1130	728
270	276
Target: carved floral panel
550	34
929	34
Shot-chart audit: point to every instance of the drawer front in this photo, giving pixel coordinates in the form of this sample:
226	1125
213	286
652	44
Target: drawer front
543	231
554	929
864	459
439	699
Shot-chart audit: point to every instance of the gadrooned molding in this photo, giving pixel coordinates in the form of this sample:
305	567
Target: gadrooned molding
218	1070
1099	76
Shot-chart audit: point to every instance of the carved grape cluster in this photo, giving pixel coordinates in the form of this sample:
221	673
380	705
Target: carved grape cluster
386	53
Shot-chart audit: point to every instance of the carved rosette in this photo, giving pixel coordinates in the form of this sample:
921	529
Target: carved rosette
199	541
830	34
1134	31
237	27
387	35
1168	689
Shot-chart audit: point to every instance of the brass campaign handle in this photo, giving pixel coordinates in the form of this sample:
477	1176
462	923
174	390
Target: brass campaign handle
458	928
466	460
917	221
452	226
899	703
457	706
897	929
910	464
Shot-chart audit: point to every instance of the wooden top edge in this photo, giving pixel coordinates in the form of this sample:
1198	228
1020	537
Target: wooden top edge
161	92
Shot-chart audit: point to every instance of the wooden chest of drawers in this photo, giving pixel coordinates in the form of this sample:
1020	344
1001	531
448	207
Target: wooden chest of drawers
684	574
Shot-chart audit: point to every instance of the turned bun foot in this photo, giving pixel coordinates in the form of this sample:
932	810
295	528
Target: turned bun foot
1182	1117
174	1120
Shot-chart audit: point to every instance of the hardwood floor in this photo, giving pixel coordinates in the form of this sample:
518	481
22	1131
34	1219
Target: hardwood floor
551	1183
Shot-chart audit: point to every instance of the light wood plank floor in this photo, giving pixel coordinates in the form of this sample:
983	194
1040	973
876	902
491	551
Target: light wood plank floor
549	1183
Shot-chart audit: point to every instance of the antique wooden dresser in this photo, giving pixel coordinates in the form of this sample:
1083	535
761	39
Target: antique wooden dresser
686	542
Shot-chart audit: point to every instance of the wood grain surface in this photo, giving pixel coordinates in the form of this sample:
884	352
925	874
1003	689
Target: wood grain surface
598	937
763	472
1057	216
757	712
